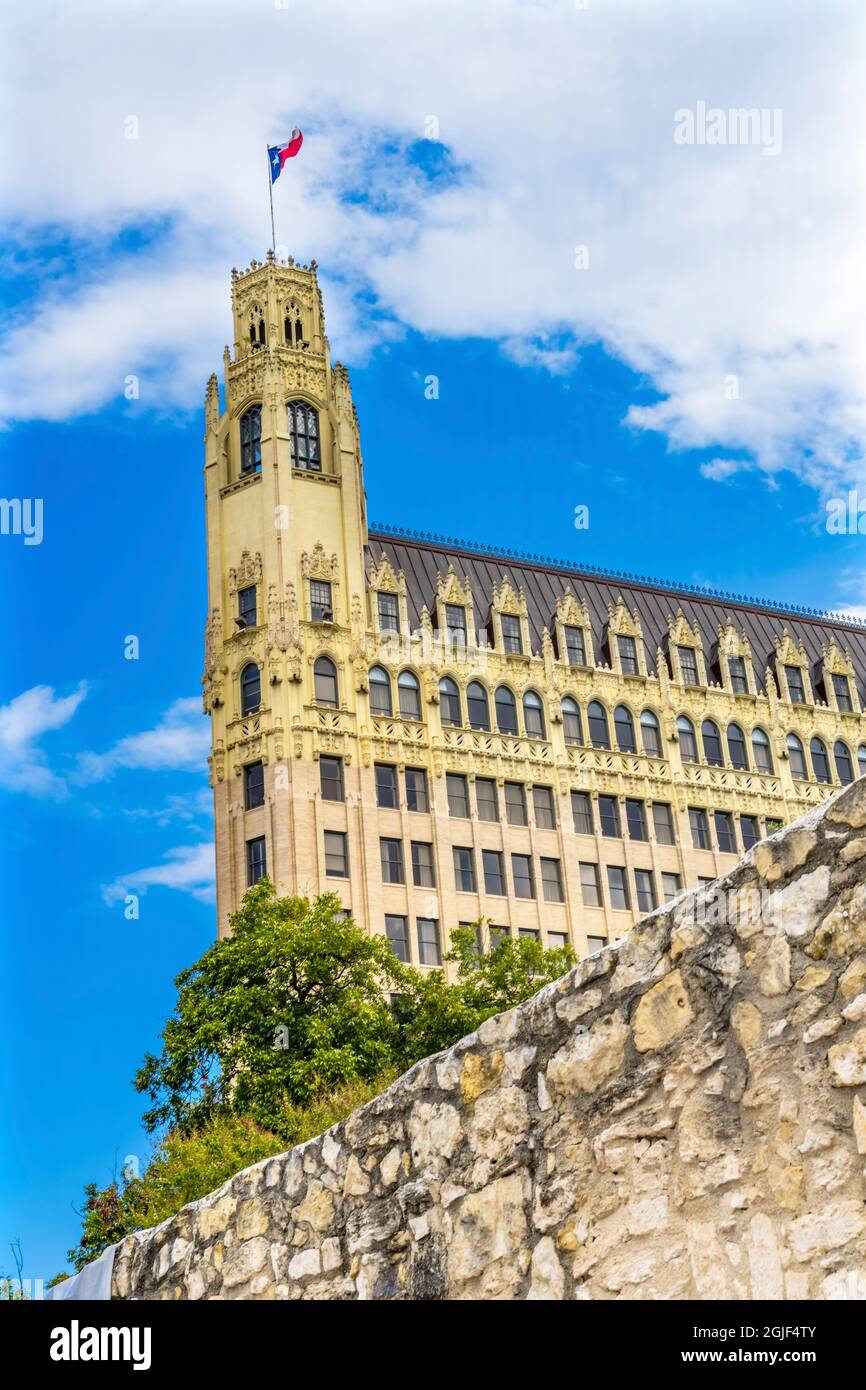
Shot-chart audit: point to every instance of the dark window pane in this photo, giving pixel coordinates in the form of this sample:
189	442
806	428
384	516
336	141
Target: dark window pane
458	795
796	688
476	704
256	862
247	606
254	785
321	601
304	436
618	887
336	854
331	779
581	809
494	879
325	682
628	655
597	718
416	789
486	799
251	689
725	832
750	831
464	870
737	672
386	785
551	881
688	665
521	872
663	823
575	646
608	815
635	815
506	711
590	885
542	802
511	638
843	693
645	886
380	692
700	827
515	803
389	612
251	440
429	952
423	873
395	930
391	854
409	695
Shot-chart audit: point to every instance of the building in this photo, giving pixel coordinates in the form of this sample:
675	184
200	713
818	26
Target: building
440	732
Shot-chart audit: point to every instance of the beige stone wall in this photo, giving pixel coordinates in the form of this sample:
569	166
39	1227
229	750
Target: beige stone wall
682	1116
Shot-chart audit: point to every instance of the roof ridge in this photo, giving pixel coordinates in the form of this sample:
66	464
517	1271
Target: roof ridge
381	529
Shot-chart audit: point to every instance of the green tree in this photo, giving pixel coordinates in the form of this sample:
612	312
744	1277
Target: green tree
293	1004
432	1013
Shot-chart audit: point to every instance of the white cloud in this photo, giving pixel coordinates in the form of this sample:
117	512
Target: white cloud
706	263
188	869
190	809
24	766
180	742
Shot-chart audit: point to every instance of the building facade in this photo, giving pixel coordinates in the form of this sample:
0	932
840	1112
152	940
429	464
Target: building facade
441	733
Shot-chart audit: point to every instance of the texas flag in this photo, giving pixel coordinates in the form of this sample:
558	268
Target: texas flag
278	154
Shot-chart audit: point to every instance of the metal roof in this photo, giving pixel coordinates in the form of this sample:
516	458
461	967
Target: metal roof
423	557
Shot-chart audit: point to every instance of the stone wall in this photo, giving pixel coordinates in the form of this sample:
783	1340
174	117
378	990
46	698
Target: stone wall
683	1116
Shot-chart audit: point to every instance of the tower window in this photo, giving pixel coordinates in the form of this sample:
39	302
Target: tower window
624	727
725	833
389	613
842	758
321	601
737	748
476	703
325	682
598	733
380	692
251	440
571	724
251	689
256	860
687	740
796	689
455	624
247	606
797	758
304	436
533	715
700	827
331	779
506	711
336	854
257	332
449	702
651	734
712	743
820	761
254	786
761	751
409	695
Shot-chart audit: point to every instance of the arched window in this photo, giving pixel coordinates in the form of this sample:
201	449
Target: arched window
737	748
251	440
861	761
409	695
325	682
650	734
624	729
820	761
257	330
449	700
688	742
571	725
251	688
712	741
842	758
476	702
506	711
797	758
304	436
533	715
293	329
380	692
761	751
596	715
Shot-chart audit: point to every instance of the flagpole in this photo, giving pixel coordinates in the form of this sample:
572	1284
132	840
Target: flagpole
271	196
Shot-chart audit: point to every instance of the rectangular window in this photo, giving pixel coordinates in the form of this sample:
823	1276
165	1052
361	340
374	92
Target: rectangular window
389	613
254	786
530	933
627	656
700	827
635	818
386	786
725	832
608	815
423	872
663	823
796	689
521	872
671	886
336	854
498	934
486	799
590	885
256	860
557	940
750	830
321	603
595	943
455	622
575	646
581	809
331	779
395	930
464	870
416	789
737	672
515	803
645	887
618	887
429	952
551	881
688	665
511	638
247	606
542	804
458	795
391	854
494	877
843	693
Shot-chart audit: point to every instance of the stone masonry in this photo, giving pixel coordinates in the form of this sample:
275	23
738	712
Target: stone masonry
682	1116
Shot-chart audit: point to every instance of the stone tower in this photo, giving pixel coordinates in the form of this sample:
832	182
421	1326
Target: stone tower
285	446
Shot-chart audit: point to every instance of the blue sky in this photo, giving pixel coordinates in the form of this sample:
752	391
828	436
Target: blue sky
556	387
